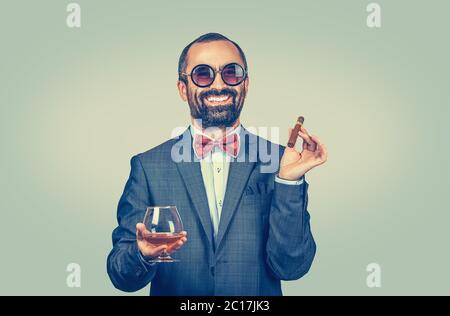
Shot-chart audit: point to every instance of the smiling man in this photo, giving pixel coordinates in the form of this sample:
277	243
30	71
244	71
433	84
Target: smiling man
246	224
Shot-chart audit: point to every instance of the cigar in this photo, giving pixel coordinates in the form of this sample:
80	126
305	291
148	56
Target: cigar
294	133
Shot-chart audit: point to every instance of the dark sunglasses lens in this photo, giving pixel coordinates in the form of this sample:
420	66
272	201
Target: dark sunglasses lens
233	74
203	76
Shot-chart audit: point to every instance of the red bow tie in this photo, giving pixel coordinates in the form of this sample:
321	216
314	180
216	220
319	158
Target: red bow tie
229	144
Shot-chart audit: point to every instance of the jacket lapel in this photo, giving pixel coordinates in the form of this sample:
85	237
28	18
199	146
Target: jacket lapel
239	173
192	177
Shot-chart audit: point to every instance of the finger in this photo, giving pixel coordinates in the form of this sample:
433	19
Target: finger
322	149
152	252
157	250
303	130
175	247
305	136
139	231
316	139
141	227
308	143
184	233
323	152
179	244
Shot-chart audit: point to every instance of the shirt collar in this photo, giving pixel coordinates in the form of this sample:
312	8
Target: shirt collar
194	131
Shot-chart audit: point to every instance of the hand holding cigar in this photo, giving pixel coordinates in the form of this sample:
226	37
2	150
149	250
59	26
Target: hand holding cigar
295	164
299	130
294	132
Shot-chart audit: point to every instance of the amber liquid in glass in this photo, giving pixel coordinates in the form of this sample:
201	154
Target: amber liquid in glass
158	239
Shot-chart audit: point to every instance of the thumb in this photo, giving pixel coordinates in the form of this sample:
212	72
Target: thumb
140	229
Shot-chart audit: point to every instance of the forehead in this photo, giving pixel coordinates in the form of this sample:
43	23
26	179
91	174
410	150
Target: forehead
216	54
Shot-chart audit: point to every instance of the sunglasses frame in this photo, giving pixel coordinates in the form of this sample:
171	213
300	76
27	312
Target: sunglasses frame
215	72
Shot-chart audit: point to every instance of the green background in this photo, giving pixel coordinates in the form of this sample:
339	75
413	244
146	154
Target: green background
76	104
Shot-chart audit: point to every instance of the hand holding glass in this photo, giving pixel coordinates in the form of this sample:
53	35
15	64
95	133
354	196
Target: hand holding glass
161	233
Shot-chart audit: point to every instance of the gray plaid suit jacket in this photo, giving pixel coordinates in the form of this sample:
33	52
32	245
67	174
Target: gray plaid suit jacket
264	232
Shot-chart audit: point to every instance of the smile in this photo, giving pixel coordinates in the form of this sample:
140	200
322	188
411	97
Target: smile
214	99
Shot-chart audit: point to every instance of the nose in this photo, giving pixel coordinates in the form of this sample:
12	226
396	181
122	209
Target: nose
218	83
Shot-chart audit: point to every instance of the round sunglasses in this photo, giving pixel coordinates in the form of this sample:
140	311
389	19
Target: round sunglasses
204	75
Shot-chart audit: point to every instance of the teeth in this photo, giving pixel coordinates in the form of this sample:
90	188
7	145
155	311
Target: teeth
217	99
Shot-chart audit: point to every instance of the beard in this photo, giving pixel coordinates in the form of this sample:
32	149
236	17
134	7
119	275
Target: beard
221	116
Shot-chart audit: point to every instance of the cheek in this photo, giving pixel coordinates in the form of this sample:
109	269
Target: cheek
196	94
244	89
193	96
190	93
241	93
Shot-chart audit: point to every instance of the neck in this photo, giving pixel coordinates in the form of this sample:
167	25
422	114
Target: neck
215	132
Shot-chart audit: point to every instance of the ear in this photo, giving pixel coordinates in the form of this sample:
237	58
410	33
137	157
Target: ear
246	84
182	90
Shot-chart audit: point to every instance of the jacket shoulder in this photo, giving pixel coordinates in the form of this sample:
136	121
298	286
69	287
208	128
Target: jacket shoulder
161	151
261	141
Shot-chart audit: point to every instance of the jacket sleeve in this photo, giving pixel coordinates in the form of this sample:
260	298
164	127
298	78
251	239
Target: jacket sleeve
127	269
290	245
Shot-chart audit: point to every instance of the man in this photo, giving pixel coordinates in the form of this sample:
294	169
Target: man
247	222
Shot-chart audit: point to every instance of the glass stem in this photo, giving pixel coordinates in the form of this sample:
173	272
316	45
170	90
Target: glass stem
164	254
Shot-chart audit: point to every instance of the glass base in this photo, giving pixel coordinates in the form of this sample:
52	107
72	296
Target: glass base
164	259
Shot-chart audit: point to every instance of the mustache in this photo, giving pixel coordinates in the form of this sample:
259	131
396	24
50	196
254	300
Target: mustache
214	92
